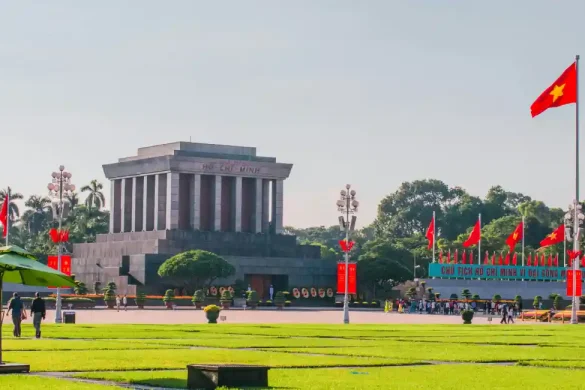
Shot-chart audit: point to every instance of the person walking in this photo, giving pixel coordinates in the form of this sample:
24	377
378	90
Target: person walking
16	306
118	302
504	313
125	302
510	314
37	313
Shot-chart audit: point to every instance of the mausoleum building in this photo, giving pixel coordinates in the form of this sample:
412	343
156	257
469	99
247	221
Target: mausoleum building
179	196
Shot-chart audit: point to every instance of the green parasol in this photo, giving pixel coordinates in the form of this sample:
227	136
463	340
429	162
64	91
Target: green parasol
19	266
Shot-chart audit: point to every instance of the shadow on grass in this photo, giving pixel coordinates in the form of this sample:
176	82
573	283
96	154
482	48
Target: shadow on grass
175	383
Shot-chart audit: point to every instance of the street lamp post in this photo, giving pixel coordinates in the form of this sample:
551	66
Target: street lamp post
573	220
347	204
59	187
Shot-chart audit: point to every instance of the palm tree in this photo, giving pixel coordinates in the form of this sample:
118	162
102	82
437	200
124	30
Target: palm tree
38	213
13	210
96	196
73	199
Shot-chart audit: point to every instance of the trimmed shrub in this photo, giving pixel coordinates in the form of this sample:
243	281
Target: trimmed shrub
467	316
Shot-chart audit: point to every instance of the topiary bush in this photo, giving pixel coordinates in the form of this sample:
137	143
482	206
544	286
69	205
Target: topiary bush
497	298
536	302
454	296
252	299
467	316
169	298
140	299
110	295
558	301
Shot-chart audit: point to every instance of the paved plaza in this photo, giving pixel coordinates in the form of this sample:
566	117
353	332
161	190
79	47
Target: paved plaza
261	316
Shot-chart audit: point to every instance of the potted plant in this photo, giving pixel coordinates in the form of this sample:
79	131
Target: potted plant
279	300
212	312
110	295
465	293
536	302
286	303
467	316
226	299
252	300
453	297
198	299
437	296
169	298
558	301
140	299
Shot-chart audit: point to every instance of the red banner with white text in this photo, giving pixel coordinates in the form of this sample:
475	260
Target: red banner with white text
351	279
53	262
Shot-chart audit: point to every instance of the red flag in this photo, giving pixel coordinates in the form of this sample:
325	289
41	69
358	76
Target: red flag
550	260
456	258
507	261
529	260
500	259
583	262
475	235
562	91
515	259
4	215
556	260
515	236
449	257
558	235
542	260
486	260
464	257
431	233
471	257
494	258
441	256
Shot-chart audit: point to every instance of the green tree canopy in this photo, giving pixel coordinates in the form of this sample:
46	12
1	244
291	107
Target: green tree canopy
195	269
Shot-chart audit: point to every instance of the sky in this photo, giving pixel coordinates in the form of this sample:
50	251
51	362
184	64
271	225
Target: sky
370	93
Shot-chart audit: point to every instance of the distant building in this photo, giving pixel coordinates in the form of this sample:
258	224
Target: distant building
180	196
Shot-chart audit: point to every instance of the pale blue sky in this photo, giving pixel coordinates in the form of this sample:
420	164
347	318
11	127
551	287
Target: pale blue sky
372	93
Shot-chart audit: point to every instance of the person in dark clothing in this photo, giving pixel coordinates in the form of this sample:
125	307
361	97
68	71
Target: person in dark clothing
504	313
16	306
38	312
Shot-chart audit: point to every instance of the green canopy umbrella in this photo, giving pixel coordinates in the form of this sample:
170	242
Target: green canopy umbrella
19	266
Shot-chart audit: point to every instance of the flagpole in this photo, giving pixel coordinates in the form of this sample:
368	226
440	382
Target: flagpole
434	235
576	219
565	252
479	242
522	241
7	200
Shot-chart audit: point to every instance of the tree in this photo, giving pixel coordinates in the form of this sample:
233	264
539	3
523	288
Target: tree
383	265
96	196
13	210
195	269
38	214
73	200
465	293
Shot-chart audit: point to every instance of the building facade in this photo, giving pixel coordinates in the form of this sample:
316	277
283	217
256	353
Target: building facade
180	196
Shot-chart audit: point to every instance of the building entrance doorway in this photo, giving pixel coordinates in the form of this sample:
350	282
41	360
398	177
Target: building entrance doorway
261	284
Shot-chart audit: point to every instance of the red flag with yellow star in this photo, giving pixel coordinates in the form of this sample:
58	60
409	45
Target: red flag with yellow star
515	236
557	236
561	92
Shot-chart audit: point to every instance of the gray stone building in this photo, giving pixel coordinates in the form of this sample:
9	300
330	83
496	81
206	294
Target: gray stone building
180	196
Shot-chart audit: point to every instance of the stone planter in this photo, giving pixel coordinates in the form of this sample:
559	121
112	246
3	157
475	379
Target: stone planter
225	304
279	306
140	305
212	317
110	304
252	305
198	305
169	305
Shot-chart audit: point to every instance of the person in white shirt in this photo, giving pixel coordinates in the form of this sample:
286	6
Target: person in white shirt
125	302
510	314
118	302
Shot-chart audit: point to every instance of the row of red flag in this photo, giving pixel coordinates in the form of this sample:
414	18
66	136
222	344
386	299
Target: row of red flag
495	259
557	236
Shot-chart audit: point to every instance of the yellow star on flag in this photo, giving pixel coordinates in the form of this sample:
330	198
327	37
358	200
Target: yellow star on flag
552	236
515	236
557	92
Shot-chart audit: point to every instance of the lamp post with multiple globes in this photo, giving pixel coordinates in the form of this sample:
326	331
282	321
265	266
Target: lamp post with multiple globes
347	204
59	187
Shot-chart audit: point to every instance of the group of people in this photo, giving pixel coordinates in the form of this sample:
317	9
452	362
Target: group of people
37	313
123	300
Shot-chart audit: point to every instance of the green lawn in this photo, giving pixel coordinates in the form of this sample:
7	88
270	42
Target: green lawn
374	356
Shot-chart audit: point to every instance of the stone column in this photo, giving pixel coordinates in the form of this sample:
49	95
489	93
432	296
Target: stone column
122	205
112	205
172	201
217	210
144	203
133	227
156	183
238	205
265	205
277	199
258	207
196	203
